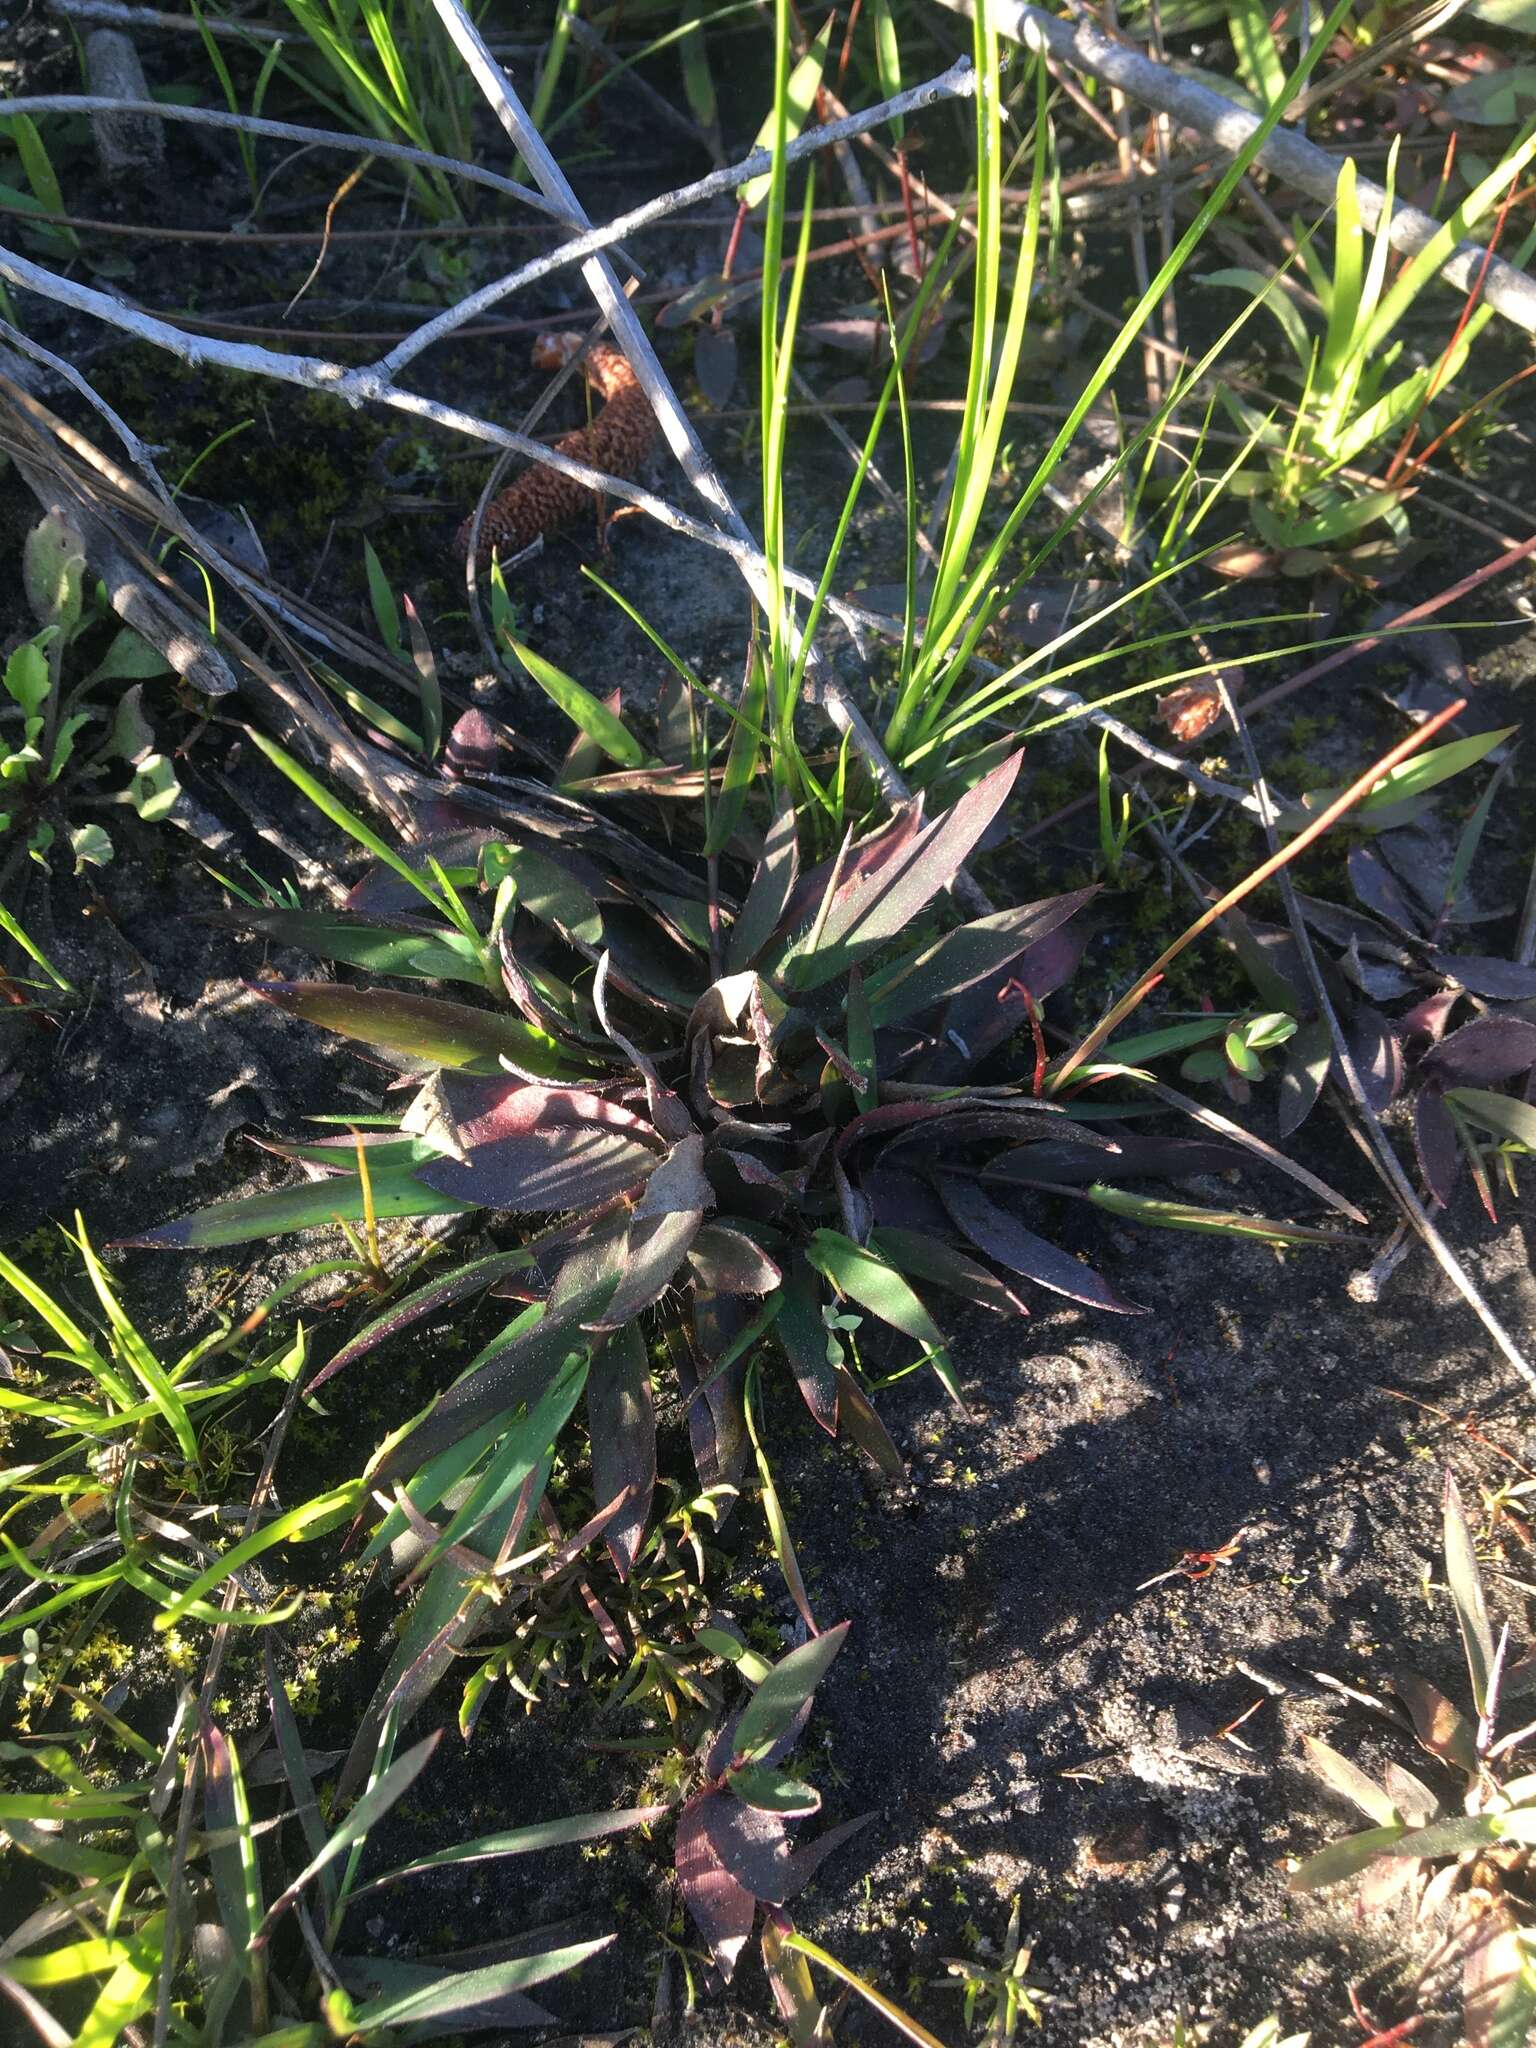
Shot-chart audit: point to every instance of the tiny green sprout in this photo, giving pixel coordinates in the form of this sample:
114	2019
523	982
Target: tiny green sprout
1003	1991
836	1319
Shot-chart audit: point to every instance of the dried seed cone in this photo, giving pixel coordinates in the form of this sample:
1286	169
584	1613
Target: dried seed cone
617	441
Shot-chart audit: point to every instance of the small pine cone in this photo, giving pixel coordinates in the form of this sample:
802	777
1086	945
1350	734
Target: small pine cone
542	501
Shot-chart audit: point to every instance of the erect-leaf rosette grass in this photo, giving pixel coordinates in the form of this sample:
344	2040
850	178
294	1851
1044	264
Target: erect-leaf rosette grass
740	1117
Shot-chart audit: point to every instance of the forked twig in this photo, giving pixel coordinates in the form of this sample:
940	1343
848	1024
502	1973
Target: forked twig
280	131
822	686
958	82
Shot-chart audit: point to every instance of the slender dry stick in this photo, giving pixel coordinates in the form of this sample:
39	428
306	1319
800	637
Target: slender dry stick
315	373
958	82
1301	163
1360	787
279	131
1383	1157
824	688
1511	558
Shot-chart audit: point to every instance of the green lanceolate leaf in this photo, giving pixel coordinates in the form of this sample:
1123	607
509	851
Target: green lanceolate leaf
310	1206
405	946
600	725
957	961
769	1713
1506	1115
1346	1857
418	1031
800	97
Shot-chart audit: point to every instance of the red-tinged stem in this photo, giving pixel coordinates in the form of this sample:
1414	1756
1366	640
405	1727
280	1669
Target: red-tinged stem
1361	787
1510	559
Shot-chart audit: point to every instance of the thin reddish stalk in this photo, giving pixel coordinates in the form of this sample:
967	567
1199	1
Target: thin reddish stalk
1361	787
1510	559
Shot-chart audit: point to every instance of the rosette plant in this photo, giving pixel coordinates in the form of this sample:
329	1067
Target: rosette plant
719	1117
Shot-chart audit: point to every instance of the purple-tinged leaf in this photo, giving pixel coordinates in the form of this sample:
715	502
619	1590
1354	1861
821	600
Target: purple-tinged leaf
881	905
1345	927
803	1336
986	1016
1377	1052
1488	1049
657	1247
416	1032
1136	1158
233	1859
1376	887
1436	1142
1308	1056
722	1909
1428	1019
474	745
383	891
1438	1725
931	1259
717	1418
621	1421
729	1262
678	1183
534	1149
444	1292
903	1201
1000	1236
861	1421
1501	980
769	895
947	966
754	1849
865	857
714	361
962	1119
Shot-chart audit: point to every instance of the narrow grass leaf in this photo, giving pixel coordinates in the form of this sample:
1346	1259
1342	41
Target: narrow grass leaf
1161	1215
146	1367
525	1841
1465	1580
388	1787
460	1995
